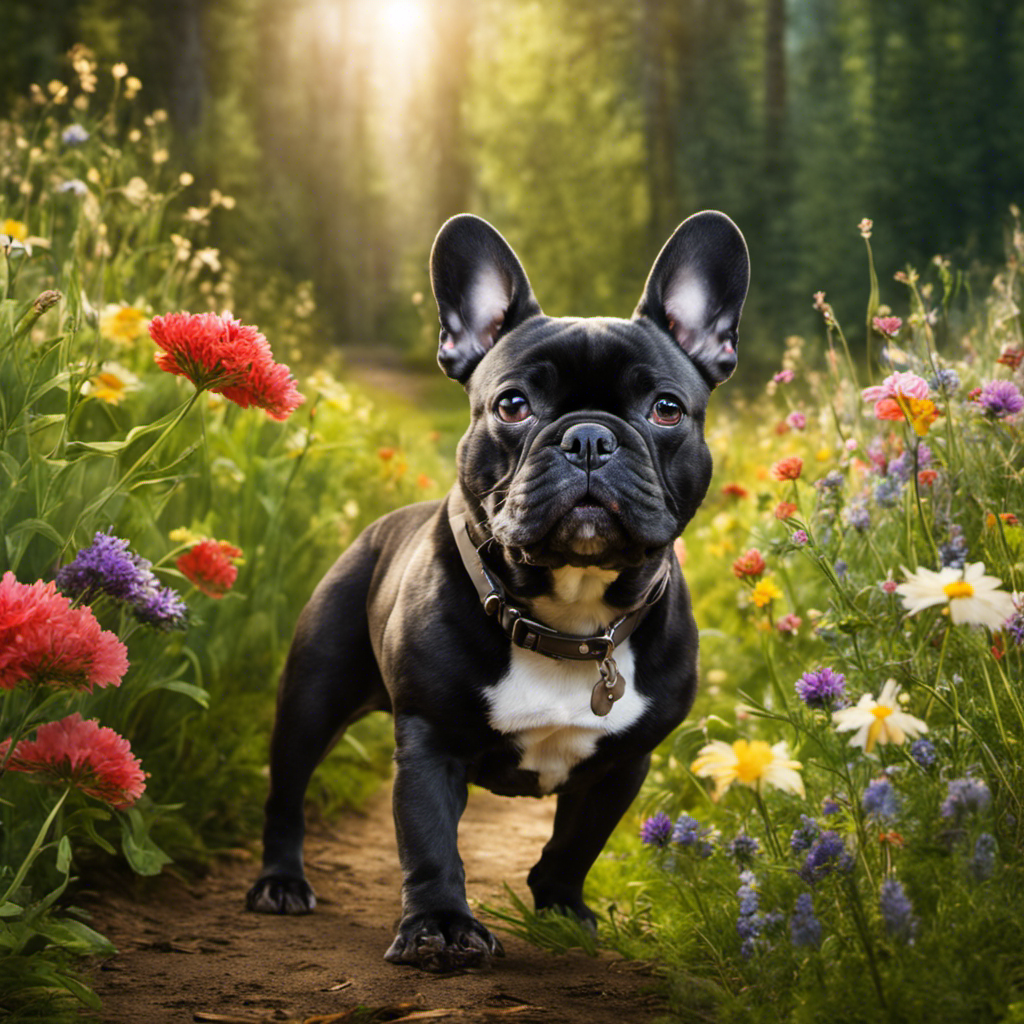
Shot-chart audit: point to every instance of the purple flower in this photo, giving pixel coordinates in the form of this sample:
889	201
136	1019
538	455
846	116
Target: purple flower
74	135
689	834
880	800
1014	625
162	607
965	796
804	927
945	382
897	912
858	517
829	806
743	849
831	481
828	854
953	553
656	831
983	863
923	752
1001	398
751	922
821	688
804	836
799	537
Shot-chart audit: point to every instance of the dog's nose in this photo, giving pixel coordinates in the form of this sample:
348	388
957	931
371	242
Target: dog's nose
588	445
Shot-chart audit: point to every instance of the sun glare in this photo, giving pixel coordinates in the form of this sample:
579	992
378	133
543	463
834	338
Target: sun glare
400	22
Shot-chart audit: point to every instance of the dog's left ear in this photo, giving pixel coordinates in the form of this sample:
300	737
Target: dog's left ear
481	289
696	289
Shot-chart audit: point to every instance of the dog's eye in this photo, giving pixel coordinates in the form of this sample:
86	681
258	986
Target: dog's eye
667	412
512	407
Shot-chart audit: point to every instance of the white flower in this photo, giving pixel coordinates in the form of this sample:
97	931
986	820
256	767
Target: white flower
973	598
879	721
749	763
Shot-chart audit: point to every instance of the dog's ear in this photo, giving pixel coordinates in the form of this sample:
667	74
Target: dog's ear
696	289
481	289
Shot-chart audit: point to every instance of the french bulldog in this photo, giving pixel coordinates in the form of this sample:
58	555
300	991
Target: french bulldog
531	632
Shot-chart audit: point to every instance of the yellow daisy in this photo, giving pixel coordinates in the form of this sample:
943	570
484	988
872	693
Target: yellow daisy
111	384
751	763
123	324
764	593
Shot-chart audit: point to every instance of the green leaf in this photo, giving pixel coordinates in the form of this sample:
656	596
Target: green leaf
144	856
197	693
10	909
64	855
39	526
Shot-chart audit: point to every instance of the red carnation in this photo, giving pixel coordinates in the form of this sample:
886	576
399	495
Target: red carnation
749	565
218	353
788	468
83	754
208	565
44	640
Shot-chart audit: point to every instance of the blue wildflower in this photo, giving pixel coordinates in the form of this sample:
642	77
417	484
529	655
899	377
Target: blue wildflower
983	863
1014	626
841	568
829	806
804	927
689	834
656	831
945	381
804	836
831	481
880	800
74	135
75	186
887	493
743	849
897	911
963	797
923	752
858	517
953	553
821	688
828	854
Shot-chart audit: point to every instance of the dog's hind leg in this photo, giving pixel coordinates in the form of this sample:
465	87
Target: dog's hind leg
330	680
584	820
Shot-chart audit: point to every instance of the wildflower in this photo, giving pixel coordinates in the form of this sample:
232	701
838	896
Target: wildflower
785	510
656	831
1011	357
973	598
841	568
878	721
385	454
831	481
14	229
880	800
821	688
751	763
788	468
1001	398
887	325
896	910
923	752
209	566
887	493
864	227
749	565
689	834
43	640
751	923
743	849
119	70
74	135
927	477
783	377
796	420
963	797
74	186
84	754
920	413
734	490
897	385
764	593
803	837
945	382
829	806
858	517
111	383
804	927
827	854
789	623
224	355
799	538
983	863
122	324
953	553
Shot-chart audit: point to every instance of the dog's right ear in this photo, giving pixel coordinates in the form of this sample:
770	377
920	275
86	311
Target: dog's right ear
481	289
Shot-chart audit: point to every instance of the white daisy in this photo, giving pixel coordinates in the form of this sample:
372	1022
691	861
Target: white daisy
879	721
750	763
974	599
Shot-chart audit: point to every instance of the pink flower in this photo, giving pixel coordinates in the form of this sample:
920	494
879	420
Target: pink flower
797	420
783	377
83	754
889	586
887	325
43	640
897	385
218	353
789	623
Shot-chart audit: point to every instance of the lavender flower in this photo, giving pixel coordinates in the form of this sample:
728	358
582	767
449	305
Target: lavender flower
804	927
841	568
74	135
1001	398
750	922
829	806
804	836
828	854
656	831
1014	626
897	911
161	607
953	553
923	752
945	382
689	834
965	796
858	517
743	849
983	863
821	688
887	493
880	800
831	481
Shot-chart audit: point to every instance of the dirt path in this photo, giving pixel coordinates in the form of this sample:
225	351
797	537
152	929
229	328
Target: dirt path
193	954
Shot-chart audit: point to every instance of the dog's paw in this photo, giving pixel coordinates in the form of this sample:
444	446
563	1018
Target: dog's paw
443	942
281	894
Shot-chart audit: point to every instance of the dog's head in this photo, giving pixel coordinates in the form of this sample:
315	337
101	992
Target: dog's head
586	445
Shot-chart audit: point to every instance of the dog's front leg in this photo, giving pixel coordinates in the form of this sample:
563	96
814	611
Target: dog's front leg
438	931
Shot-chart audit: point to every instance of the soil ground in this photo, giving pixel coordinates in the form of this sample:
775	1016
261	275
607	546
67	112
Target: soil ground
192	953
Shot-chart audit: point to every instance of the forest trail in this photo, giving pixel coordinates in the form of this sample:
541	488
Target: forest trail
192	952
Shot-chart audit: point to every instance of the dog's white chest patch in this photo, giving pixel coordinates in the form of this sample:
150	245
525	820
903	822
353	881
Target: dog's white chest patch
544	705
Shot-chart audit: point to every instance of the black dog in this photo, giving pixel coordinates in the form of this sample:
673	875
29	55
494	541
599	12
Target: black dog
584	460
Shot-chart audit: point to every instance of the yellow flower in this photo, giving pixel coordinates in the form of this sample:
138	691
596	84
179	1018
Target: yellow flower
111	384
123	324
754	764
764	593
15	228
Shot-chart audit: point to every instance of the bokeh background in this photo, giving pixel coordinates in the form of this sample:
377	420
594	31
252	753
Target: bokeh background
348	130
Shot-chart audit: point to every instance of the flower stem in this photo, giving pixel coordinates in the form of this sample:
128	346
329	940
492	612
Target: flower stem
769	827
865	940
37	847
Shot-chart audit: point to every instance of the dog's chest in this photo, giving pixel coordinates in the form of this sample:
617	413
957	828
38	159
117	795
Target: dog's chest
544	704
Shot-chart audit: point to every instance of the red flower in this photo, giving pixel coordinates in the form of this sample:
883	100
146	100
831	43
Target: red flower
218	353
83	754
735	491
1011	357
788	468
44	640
749	565
926	477
208	565
785	510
